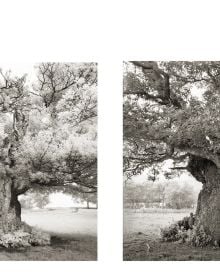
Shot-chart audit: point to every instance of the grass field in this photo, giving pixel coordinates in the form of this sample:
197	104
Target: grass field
142	238
74	236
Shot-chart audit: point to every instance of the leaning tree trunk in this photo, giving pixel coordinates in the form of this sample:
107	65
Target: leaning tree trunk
208	206
10	208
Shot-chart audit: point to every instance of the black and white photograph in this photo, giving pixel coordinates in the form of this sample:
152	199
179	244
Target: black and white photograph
171	160
48	161
109	140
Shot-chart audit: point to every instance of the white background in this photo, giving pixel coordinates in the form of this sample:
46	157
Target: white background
109	32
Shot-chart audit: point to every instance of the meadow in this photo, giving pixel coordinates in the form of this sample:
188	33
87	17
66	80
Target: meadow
73	236
142	237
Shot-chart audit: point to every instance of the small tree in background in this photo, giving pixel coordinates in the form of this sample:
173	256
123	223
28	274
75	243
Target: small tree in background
86	197
179	199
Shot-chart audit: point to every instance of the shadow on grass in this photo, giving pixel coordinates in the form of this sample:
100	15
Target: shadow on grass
58	241
139	247
62	248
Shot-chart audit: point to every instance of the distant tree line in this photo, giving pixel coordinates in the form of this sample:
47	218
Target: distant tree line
159	195
36	199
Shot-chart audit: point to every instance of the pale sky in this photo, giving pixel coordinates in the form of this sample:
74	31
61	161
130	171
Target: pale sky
184	177
197	92
20	68
65	200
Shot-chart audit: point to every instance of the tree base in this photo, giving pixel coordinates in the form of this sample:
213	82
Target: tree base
208	206
183	232
208	211
26	236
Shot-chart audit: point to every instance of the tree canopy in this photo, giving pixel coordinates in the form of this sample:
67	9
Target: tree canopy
48	128
171	111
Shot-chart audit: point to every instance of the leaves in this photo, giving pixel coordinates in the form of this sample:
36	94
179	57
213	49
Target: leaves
163	120
52	126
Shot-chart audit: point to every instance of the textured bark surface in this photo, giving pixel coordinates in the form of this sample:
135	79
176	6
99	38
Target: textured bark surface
10	209
208	207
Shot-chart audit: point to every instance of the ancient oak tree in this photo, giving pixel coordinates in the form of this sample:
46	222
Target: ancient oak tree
172	111
47	134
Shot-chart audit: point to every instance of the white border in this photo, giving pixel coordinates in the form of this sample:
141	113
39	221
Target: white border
109	32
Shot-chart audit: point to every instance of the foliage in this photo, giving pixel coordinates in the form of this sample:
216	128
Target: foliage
170	233
178	231
38	237
34	199
24	237
199	238
179	199
171	111
186	231
48	129
86	197
15	239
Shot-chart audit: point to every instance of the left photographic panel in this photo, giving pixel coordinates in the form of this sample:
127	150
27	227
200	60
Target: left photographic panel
48	161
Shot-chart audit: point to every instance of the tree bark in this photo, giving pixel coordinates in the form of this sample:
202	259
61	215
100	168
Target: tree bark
208	205
10	208
87	203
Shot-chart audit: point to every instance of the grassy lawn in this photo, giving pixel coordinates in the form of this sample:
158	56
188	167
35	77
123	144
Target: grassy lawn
142	238
74	236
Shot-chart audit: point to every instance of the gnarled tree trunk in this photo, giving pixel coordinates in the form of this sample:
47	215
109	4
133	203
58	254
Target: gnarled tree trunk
10	208
208	207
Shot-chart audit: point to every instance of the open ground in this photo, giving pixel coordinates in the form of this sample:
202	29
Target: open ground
142	238
73	236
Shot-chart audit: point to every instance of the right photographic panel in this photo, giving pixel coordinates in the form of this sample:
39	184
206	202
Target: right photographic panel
171	160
